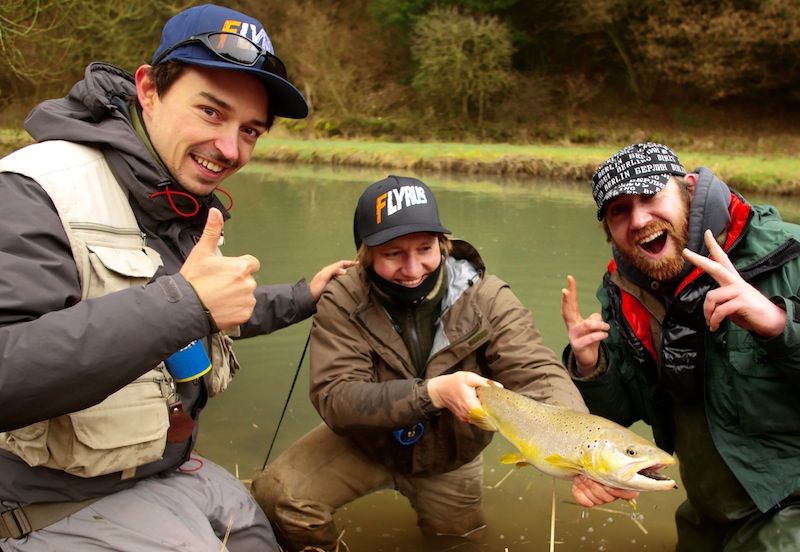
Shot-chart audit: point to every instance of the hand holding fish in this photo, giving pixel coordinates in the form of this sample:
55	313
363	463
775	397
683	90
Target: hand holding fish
456	392
584	335
735	299
589	493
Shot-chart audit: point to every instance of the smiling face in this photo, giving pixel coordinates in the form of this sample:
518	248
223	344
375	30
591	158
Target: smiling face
407	260
205	126
650	231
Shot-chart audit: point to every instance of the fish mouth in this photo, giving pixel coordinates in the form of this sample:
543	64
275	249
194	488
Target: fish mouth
657	480
654	473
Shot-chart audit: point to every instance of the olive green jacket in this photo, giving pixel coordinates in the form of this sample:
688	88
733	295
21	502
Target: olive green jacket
364	383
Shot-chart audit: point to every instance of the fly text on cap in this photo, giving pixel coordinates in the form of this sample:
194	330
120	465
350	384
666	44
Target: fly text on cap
394	200
247	30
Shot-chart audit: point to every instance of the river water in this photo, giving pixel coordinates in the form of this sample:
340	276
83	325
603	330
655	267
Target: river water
296	219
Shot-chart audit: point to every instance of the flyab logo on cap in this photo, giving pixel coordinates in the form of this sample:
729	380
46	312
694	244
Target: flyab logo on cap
394	200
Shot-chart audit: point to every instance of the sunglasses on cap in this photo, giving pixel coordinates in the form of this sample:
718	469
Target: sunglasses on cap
233	48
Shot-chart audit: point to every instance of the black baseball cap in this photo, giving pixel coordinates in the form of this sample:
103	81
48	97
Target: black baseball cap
639	169
394	207
215	36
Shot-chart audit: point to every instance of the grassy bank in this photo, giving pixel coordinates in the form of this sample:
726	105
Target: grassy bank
778	175
774	175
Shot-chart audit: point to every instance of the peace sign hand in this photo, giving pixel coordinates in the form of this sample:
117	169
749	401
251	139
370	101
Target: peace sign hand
735	299
584	335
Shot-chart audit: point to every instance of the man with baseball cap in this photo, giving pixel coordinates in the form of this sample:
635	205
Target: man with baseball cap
698	336
109	232
398	346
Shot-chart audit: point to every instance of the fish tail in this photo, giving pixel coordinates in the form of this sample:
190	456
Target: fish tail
477	416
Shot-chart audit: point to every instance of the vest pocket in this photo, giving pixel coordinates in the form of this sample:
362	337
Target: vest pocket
29	442
126	430
137	265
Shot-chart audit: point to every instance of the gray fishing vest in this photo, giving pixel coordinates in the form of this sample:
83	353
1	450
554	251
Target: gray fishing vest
129	428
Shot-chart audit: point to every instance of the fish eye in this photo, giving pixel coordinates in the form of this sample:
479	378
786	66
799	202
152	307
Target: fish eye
631	451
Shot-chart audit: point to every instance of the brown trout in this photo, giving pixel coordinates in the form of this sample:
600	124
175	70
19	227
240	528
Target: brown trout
563	443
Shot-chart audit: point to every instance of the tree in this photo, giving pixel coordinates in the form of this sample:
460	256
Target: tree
726	48
614	29
341	63
462	61
404	14
717	48
44	43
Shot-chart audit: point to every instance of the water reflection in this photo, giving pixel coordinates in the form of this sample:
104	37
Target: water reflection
295	219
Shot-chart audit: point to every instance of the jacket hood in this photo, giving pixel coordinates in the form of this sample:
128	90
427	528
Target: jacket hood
94	112
97	112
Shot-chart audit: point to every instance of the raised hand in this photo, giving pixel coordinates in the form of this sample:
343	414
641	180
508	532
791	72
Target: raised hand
225	285
584	335
735	299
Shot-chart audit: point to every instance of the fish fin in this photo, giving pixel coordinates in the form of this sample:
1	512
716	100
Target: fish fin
514	458
477	416
632	502
561	462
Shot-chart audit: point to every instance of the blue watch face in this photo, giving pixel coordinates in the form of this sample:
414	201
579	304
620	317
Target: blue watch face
409	435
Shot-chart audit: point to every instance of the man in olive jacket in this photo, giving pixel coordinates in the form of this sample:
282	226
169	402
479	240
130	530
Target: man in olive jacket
699	336
398	346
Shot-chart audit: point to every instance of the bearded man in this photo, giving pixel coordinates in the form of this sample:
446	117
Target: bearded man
699	336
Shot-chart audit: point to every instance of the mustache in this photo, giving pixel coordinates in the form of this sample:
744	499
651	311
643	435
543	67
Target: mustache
653	228
217	157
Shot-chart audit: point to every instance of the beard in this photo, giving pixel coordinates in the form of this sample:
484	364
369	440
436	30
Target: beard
668	267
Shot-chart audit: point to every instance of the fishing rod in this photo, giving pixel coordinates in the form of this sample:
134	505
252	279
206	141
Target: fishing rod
289	396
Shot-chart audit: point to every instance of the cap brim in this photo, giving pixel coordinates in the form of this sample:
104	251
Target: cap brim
284	99
383	236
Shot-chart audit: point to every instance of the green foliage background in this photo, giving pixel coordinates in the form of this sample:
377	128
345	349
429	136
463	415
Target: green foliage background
721	75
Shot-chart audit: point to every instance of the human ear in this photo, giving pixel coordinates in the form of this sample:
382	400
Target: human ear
145	89
691	183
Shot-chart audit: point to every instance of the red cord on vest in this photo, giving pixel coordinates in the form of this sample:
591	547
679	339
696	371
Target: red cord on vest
197	465
230	198
169	193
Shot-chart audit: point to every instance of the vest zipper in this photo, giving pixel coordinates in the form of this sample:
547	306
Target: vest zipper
110	230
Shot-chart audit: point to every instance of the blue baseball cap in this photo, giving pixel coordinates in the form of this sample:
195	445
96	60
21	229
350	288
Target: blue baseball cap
201	36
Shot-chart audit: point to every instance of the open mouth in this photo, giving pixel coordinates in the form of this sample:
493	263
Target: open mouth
411	283
654	242
653	472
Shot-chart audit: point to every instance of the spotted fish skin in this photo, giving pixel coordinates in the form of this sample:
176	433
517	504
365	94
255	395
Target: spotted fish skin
562	442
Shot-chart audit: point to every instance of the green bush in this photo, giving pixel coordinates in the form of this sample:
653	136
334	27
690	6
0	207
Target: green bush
463	62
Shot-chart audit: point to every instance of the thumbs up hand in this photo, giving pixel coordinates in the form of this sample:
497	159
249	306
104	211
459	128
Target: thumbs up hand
225	285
